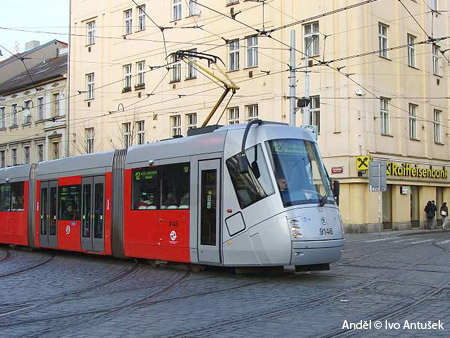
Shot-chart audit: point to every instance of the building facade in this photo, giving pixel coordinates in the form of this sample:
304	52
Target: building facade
33	110
378	83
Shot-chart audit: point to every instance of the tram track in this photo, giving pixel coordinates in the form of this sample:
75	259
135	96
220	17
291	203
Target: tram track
6	256
49	259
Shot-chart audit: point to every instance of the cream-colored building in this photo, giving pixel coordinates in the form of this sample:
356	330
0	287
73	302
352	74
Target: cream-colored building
379	84
33	105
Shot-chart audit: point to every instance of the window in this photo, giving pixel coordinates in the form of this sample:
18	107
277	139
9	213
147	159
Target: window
17	196
254	185
437	126
384	114
162	187
90	86
411	51
412	121
40	152
55	146
89	132
2	117
176	69
5	197
435	59
27	111
311	39
140	71
56	108
126	128
127	78
90	33
434	5
315	112
233	55
176	125
193	10
141	18
252	51
69	203
233	115
2	158
176	10
14	115
191	121
26	155
140	126
40	108
252	112
128	14
383	40
14	156
192	68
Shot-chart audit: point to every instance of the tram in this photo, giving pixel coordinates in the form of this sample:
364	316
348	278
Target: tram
238	196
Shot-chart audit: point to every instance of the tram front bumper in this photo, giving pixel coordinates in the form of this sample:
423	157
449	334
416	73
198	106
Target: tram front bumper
316	252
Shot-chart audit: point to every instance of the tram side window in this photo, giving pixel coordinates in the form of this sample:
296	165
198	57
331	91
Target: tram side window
5	197
254	185
17	192
145	188
69	202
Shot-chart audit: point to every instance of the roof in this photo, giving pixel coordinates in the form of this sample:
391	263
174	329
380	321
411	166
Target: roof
44	71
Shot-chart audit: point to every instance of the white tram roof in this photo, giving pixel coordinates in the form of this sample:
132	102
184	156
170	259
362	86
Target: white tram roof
15	174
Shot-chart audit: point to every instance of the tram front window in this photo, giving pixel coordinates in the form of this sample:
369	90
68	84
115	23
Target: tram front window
299	172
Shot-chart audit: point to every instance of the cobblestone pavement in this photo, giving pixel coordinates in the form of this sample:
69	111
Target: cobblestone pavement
397	279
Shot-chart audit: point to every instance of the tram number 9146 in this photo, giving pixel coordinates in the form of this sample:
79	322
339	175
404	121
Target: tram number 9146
326	231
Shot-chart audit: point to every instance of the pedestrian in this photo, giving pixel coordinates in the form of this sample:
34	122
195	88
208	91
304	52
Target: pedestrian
444	214
430	210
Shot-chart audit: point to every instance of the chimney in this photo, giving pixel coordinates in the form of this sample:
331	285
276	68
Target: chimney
31	45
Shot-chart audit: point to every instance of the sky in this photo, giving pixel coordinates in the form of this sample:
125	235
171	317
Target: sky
39	18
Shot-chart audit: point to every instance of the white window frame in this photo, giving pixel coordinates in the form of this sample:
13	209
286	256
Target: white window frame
27	104
90	139
233	55
191	69
177	10
40	108
191	121
437	122
140	127
90	82
315	112
252	51
435	59
176	69
434	5
126	129
140	74
14	115
252	112
56	150
175	122
14	156
90	33
141	18
383	31
311	39
40	152
56	104
411	50
193	8
128	17
2	117
127	76
233	115
384	116
412	122
3	163
26	154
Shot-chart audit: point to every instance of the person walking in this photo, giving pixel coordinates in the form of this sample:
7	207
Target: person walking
430	210
444	213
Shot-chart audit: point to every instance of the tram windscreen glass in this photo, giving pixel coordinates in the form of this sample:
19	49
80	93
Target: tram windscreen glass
69	203
299	172
5	197
254	185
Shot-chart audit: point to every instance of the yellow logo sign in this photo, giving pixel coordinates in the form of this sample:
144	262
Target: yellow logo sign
362	163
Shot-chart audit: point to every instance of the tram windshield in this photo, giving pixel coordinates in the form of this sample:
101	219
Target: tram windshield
299	172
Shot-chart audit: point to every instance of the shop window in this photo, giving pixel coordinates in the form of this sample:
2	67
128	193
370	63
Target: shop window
163	187
69	203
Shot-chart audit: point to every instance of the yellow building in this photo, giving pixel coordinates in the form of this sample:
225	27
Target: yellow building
378	84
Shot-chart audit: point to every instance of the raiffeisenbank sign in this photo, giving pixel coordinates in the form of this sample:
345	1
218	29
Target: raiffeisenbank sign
414	171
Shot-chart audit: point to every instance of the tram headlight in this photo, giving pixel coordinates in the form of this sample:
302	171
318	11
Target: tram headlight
295	227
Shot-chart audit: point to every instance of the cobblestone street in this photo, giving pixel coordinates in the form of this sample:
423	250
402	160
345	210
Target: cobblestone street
391	278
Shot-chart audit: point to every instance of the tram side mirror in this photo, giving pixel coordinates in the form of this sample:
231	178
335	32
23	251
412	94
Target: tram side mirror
336	188
255	169
242	164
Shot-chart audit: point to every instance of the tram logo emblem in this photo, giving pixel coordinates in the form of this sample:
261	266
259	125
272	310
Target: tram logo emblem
323	220
362	163
173	235
68	230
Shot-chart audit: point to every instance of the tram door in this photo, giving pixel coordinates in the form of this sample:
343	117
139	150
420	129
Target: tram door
93	211
209	211
48	214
